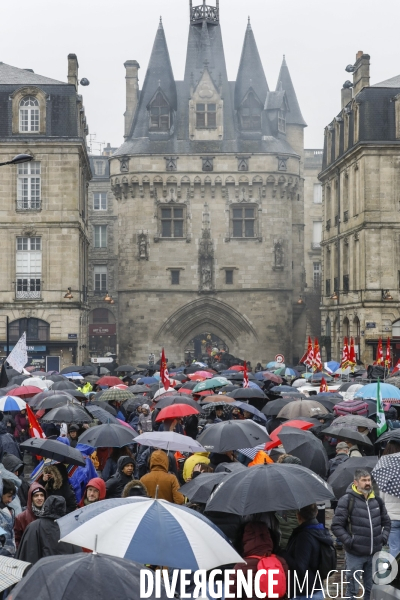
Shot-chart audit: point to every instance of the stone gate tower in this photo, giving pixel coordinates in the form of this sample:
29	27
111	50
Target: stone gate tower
210	192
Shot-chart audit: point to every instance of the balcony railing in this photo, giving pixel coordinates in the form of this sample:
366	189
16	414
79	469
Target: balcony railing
28	287
29	204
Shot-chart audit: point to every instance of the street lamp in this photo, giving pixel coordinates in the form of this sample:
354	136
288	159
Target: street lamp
20	158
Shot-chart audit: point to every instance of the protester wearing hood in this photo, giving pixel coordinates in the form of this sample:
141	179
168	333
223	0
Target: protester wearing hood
124	474
56	483
257	544
135	488
167	483
21	426
110	468
197	457
145	422
303	551
7	441
94	491
34	510
73	431
42	537
16	466
7	517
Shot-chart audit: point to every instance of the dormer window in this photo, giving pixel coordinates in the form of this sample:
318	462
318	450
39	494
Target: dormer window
29	114
250	113
281	121
206	116
160	114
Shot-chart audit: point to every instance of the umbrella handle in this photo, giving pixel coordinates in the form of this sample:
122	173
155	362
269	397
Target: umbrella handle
95	544
156	495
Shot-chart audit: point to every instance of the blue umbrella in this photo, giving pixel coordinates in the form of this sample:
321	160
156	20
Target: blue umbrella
331	366
389	392
73	375
251	409
147	380
277	389
153	532
12	403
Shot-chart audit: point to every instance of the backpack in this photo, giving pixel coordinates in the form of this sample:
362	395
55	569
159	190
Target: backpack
327	560
268	563
351	407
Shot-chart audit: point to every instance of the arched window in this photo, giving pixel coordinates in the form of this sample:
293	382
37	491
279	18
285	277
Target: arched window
346	327
29	114
250	113
36	329
328	327
160	113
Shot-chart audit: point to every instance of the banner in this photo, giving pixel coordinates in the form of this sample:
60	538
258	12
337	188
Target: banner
164	375
245	376
18	357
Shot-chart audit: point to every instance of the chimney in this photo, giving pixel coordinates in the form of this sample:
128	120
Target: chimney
347	95
361	72
132	93
73	67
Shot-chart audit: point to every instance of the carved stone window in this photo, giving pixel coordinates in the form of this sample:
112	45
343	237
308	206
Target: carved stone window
243	163
124	165
208	163
160	113
250	113
172	218
171	163
206	115
243	221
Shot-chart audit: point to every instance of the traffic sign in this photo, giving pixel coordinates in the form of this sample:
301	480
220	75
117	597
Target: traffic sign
105	359
280	358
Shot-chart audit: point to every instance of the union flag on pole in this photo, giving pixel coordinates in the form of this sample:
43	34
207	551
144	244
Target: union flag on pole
34	428
388	359
345	354
323	387
379	354
164	372
317	363
307	359
396	367
245	376
352	354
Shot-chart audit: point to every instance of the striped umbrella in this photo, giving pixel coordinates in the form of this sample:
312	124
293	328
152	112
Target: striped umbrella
10	403
154	532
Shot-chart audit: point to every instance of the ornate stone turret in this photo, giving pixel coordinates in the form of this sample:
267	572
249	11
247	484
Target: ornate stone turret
204	13
206	255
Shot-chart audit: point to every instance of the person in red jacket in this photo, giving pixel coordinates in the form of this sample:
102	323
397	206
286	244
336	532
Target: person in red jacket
94	491
34	509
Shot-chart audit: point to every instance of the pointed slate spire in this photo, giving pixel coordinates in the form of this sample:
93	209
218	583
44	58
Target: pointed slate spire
251	72
293	117
158	75
206	52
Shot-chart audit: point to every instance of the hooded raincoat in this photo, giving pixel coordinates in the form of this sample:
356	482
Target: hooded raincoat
27	516
167	483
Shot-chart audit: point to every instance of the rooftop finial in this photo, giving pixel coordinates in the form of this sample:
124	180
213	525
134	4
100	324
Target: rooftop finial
160	26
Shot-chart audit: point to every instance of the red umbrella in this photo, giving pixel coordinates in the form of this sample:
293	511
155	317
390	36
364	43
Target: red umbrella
176	411
26	391
272	377
109	380
275	441
236	368
204	393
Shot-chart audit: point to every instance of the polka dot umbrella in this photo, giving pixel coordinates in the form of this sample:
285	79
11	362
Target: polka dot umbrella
387	474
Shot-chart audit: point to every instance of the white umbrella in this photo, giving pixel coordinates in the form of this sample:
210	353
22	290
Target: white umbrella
162	390
131	528
43	384
169	440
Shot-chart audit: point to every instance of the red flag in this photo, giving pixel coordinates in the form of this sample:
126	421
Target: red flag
317	363
379	353
34	428
352	353
164	372
345	354
323	387
307	359
396	367
388	360
245	376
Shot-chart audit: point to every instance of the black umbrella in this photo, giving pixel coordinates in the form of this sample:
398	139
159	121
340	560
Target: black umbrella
72	413
272	408
104	405
177	399
56	377
63	385
84	369
208	408
125	369
54	401
102	415
392	434
345	386
269	487
343	475
386	473
238	376
357	420
343	433
295	395
306	447
249	408
247	394
227	388
278	389
139	389
19	379
219	367
200	488
76	394
325	402
108	436
54	450
232	435
85	576
35	400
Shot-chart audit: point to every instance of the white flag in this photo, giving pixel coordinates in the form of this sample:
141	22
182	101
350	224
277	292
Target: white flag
18	356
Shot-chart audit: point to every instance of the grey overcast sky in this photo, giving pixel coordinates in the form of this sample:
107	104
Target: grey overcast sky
318	37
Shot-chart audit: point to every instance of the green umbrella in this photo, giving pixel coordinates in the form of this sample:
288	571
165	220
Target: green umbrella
210	384
118	395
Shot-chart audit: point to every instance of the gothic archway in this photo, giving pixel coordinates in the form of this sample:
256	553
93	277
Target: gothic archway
203	344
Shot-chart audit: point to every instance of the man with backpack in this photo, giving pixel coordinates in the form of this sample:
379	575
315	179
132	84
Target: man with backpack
310	552
362	524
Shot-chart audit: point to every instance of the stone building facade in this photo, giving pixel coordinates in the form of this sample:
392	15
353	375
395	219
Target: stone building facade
209	184
44	217
361	237
103	258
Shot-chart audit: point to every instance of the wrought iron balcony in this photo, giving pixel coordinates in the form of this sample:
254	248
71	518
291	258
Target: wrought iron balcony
29	204
28	287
